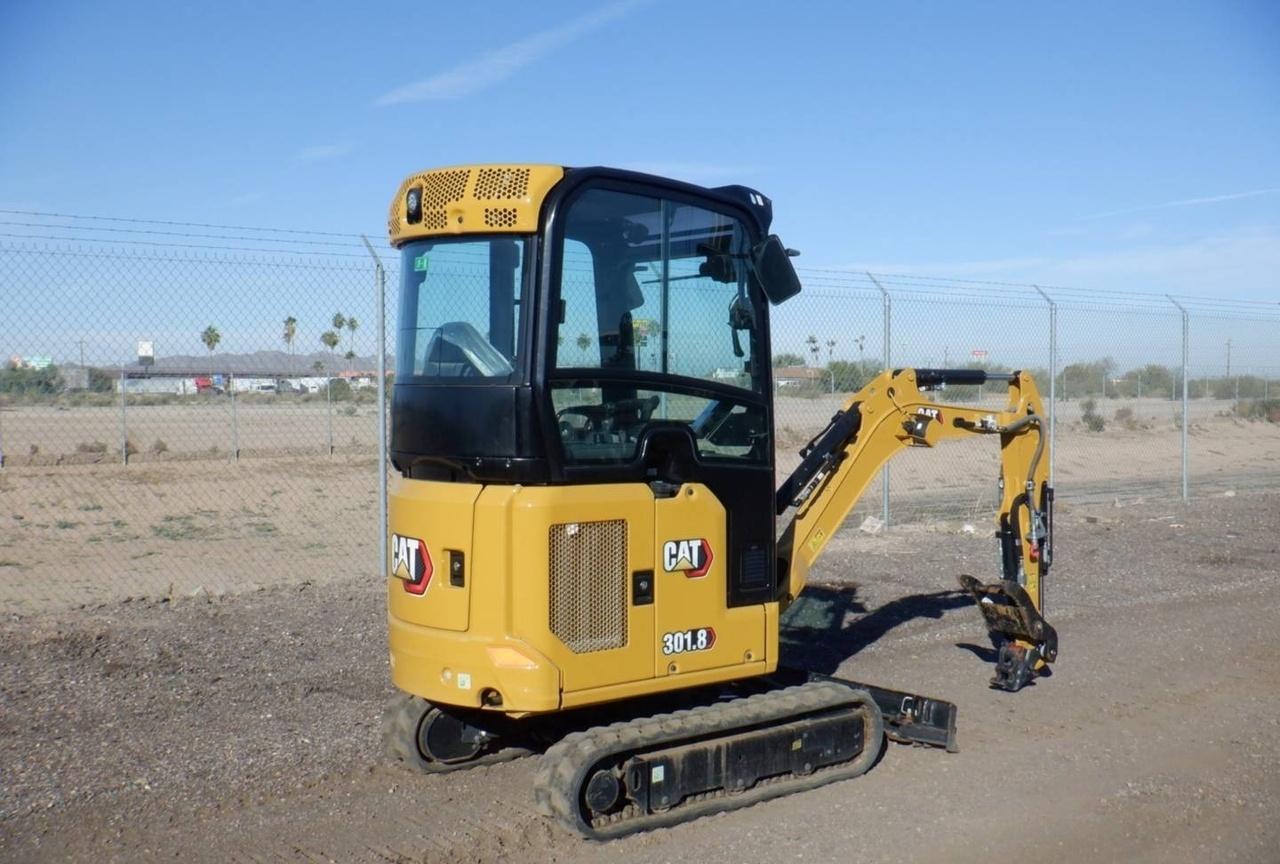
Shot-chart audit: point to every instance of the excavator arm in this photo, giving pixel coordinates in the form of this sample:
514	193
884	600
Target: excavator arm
887	416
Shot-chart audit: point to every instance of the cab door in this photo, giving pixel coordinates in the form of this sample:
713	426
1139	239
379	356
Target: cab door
694	627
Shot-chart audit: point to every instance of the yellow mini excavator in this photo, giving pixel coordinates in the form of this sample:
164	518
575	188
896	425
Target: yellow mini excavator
585	554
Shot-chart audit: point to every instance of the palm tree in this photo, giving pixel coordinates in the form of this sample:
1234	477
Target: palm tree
211	337
318	366
584	341
329	339
290	331
339	321
812	342
352	325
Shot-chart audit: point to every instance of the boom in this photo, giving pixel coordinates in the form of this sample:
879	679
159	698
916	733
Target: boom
891	414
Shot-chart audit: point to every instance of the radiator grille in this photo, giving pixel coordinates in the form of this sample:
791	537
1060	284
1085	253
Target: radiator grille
589	585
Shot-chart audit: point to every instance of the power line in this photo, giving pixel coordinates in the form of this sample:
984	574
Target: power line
169	245
151	232
176	224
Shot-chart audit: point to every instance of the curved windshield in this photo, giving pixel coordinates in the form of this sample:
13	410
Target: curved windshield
460	302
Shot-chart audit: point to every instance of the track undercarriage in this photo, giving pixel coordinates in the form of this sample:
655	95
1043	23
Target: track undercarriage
604	776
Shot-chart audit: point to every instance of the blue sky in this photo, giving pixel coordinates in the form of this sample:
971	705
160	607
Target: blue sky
1094	144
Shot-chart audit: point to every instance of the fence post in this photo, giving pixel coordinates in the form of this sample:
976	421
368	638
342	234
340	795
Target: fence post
888	321
124	421
380	278
328	413
235	419
1053	379
1186	419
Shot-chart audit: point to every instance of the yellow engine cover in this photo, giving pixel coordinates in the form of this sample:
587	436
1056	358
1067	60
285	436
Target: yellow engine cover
530	599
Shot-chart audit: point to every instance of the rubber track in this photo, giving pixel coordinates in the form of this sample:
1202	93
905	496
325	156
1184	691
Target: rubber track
400	739
565	767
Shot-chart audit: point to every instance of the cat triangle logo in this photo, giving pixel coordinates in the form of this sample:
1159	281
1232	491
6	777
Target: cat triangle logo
693	557
411	562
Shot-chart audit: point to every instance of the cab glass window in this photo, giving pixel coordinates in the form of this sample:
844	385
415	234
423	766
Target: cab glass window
656	323
460	309
656	286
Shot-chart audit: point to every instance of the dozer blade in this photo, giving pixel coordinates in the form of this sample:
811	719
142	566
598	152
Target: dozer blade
1027	640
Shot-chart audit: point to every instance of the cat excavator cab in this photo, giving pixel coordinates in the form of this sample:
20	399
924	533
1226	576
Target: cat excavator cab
586	550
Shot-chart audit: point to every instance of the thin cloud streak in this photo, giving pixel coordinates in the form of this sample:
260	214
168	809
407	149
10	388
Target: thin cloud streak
1185	202
495	66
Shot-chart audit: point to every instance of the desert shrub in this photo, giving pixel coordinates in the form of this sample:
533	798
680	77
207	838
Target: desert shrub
1091	418
33	450
1126	419
341	390
1262	409
21	381
102	381
348	410
91	447
130	449
158	446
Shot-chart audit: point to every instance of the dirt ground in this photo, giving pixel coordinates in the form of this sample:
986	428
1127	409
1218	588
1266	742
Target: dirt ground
244	727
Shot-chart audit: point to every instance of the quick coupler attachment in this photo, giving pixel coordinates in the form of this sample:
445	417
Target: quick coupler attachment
1026	640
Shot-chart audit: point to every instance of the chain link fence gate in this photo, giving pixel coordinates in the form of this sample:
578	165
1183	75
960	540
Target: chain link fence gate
242	449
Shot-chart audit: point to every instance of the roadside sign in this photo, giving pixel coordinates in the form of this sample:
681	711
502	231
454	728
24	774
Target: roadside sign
979	352
146	353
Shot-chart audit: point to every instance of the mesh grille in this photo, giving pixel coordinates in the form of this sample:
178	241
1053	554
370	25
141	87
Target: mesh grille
435	220
442	188
589	585
499	183
500	217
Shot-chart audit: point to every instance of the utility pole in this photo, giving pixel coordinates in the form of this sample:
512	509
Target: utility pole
884	472
1186	394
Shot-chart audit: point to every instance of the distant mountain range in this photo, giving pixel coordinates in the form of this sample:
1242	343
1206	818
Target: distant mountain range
259	364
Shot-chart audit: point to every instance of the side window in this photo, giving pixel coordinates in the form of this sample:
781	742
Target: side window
657	286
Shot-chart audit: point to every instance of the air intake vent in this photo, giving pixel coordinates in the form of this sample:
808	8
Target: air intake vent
442	188
589	585
500	217
496	184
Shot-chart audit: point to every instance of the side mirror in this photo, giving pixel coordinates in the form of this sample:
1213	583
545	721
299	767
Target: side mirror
772	263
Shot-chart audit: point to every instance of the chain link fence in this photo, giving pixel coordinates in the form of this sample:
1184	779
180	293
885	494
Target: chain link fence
187	409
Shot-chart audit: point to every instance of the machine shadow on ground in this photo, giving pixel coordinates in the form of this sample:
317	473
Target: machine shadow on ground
829	624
